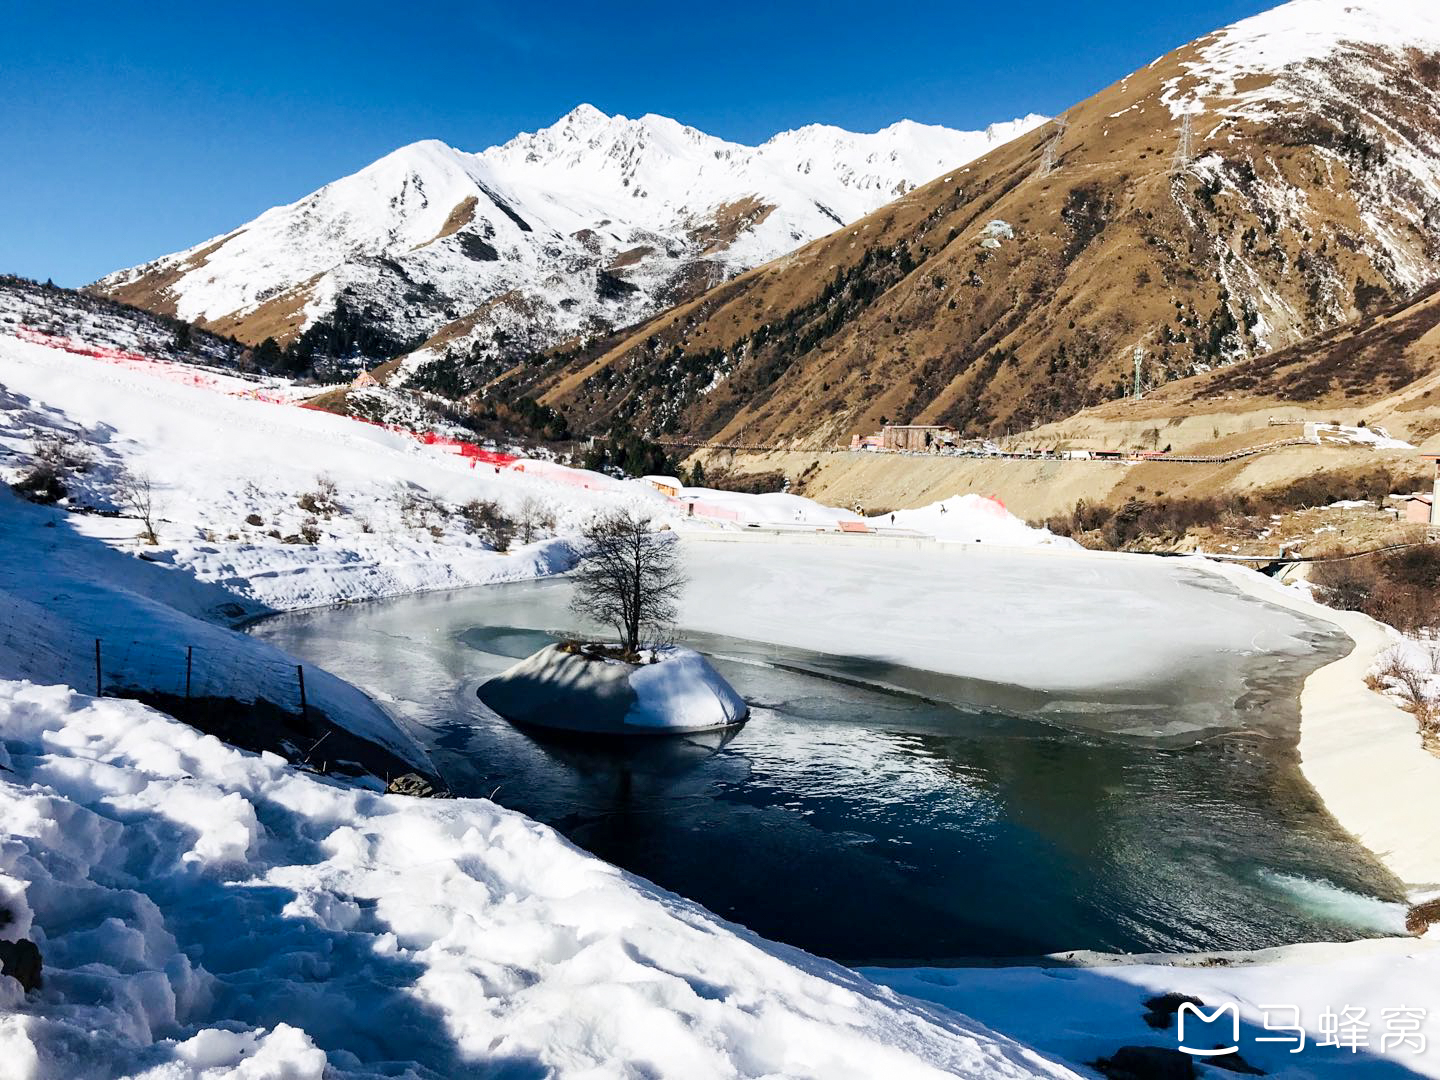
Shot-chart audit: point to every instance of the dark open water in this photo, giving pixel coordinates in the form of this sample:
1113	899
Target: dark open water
883	827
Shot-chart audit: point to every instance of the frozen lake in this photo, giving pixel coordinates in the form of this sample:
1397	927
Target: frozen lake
878	813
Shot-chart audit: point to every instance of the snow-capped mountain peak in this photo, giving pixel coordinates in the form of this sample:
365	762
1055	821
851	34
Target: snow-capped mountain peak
592	222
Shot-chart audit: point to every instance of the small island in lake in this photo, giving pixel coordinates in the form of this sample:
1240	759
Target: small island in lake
589	689
630	580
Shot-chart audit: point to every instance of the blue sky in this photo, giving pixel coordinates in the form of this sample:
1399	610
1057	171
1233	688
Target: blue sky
131	130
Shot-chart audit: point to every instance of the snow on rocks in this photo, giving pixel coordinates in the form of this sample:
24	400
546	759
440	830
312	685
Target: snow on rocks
1297	33
670	690
206	912
681	691
1376	437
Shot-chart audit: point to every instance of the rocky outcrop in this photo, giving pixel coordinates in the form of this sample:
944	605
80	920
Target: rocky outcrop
21	961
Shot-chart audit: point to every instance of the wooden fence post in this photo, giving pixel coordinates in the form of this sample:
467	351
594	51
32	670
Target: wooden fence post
304	710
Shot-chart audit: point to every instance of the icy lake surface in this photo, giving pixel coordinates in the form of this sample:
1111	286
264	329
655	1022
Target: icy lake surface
874	813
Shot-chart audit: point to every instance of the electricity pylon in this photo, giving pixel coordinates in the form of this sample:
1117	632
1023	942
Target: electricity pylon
1185	148
1052	148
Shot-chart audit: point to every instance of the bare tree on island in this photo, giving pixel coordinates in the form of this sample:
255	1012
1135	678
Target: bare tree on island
630	579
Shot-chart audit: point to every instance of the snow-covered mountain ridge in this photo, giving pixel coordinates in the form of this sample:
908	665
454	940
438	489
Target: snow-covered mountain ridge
593	222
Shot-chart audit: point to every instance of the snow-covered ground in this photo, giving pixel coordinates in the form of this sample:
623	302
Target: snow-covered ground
237	482
1384	990
232	478
1359	748
970	519
1377	437
204	912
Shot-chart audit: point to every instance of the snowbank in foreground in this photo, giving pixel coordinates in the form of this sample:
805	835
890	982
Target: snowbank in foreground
1081	1014
60	592
206	912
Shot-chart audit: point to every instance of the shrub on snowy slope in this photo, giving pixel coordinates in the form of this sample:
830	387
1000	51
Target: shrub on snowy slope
55	456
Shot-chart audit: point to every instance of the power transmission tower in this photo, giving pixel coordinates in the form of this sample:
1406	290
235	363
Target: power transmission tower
1139	364
1185	148
1052	148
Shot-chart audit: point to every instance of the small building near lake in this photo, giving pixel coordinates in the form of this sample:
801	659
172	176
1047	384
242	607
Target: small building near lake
666	485
914	437
1415	507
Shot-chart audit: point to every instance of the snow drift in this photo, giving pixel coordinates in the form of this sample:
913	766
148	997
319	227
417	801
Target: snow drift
205	912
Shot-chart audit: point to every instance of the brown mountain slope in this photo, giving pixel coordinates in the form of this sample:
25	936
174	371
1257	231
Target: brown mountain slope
1006	294
1382	370
1386	360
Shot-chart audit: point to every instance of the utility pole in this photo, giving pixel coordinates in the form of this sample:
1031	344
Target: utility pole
1185	148
1051	154
1139	363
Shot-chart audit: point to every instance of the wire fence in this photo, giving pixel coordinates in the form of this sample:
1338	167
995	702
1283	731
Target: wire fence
124	668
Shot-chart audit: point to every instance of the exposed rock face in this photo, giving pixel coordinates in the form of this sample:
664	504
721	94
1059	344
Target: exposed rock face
1160	1010
1421	917
586	694
21	961
415	785
1147	1063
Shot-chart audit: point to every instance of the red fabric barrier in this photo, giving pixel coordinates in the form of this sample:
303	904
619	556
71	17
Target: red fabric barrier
189	376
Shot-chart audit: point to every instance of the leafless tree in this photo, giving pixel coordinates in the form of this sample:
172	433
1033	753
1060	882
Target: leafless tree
137	492
630	579
533	518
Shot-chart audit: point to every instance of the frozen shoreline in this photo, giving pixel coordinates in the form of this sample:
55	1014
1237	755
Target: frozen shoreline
1359	750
